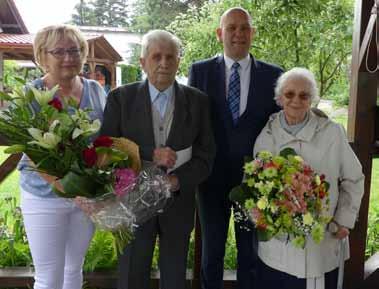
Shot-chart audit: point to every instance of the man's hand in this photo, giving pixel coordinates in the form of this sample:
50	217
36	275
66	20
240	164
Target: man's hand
164	157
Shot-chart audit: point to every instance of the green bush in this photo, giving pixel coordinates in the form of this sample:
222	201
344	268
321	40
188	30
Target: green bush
130	73
14	249
372	242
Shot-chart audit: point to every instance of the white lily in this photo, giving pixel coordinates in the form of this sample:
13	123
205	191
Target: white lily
86	128
46	140
18	94
44	96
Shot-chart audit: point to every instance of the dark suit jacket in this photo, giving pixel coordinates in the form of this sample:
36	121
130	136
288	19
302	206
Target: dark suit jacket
234	143
128	114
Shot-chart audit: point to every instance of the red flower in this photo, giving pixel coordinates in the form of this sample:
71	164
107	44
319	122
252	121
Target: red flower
90	156
322	194
103	141
56	103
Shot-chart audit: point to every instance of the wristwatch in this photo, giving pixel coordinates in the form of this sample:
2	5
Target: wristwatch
333	227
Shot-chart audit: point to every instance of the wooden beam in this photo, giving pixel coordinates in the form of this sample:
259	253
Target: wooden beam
8	166
1	71
2	25
361	131
23	277
99	60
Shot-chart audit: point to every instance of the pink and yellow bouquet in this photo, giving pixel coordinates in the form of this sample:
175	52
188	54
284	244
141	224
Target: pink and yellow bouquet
284	198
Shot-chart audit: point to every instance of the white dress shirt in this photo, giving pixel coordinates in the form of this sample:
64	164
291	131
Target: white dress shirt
154	92
244	72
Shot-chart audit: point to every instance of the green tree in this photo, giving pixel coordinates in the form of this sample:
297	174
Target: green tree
112	13
156	14
83	15
130	73
311	33
16	76
315	33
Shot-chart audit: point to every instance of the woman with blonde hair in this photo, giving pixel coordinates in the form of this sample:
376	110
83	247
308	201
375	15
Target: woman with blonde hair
58	232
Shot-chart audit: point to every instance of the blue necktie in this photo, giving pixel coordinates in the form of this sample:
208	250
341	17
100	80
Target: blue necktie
234	93
160	103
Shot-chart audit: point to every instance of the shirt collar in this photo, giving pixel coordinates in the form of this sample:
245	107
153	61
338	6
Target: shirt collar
154	91
244	62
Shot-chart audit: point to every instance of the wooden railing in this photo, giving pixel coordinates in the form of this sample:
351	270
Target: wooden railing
22	277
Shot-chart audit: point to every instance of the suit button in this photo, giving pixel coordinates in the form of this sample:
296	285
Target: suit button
161	128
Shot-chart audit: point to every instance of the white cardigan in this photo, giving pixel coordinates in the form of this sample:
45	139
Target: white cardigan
322	143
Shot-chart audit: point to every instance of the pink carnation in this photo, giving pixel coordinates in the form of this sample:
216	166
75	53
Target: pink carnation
125	179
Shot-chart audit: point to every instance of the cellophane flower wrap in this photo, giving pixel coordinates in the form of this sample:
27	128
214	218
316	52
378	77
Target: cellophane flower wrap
119	195
58	138
284	198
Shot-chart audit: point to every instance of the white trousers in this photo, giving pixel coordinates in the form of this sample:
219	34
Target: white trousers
59	234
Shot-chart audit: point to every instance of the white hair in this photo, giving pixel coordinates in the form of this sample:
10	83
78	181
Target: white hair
297	73
155	36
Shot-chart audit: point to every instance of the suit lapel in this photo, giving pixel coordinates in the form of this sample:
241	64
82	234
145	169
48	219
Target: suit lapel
143	113
180	115
219	80
251	99
220	94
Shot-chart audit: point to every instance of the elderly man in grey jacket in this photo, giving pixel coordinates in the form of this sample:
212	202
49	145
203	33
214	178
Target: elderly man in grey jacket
171	124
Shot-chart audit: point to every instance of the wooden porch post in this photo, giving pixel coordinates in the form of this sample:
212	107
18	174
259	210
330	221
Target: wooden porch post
1	71
91	63
361	129
112	71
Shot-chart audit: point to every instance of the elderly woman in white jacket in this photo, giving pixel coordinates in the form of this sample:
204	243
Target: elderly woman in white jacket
322	143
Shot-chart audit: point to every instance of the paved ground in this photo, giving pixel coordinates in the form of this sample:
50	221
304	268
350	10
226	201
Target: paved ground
327	106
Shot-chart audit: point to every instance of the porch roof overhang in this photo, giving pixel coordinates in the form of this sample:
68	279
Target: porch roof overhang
20	47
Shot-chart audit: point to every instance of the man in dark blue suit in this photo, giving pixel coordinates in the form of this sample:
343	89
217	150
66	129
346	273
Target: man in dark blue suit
241	92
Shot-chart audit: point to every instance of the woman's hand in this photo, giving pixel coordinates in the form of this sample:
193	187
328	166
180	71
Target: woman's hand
88	206
342	232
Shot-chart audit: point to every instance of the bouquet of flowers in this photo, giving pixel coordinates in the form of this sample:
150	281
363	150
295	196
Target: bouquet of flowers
119	196
51	132
57	137
284	197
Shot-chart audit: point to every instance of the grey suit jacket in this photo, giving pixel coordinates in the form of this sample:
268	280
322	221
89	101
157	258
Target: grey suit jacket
128	114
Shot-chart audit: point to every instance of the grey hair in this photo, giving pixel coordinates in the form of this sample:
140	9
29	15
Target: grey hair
233	9
297	73
155	36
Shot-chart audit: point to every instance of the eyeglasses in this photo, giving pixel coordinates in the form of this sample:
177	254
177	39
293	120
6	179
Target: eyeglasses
302	95
60	53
